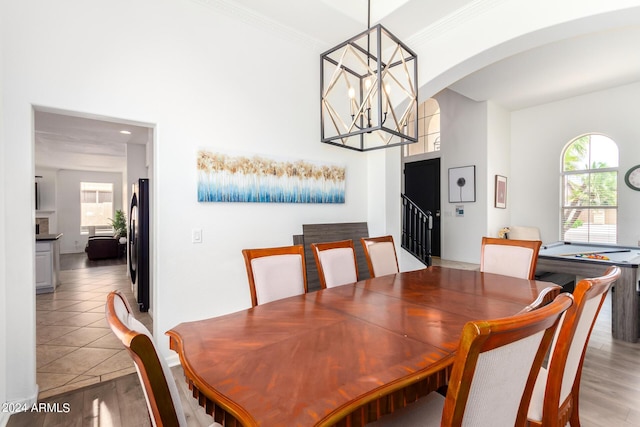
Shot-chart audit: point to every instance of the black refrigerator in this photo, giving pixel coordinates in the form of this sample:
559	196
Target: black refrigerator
139	242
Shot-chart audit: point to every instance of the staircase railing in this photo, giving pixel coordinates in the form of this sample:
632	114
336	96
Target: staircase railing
416	230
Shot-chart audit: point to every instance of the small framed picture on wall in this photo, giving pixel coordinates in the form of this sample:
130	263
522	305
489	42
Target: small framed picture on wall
462	184
501	192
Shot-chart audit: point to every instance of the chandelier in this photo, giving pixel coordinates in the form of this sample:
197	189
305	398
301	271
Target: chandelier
369	91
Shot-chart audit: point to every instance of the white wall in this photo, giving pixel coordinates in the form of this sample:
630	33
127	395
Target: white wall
179	72
136	168
463	132
540	134
498	163
68	206
3	243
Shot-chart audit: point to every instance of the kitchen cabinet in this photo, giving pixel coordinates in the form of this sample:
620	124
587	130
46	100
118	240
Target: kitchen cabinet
47	262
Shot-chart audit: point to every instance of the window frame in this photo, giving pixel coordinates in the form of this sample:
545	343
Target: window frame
101	229
589	172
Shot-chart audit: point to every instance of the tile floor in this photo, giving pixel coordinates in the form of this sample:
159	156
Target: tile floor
74	345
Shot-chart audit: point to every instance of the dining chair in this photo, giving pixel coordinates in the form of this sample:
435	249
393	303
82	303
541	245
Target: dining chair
336	262
493	373
516	258
275	273
380	253
554	401
158	384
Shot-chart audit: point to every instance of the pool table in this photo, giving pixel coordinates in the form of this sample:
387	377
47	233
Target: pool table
590	260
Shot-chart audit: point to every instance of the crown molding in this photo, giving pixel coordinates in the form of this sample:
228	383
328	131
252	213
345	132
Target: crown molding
256	20
454	20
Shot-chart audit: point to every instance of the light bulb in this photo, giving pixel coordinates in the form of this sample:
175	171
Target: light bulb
352	93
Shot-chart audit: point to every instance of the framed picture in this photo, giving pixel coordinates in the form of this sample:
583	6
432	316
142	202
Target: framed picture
227	177
462	184
501	192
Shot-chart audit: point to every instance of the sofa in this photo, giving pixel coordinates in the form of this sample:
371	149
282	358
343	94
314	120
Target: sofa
102	247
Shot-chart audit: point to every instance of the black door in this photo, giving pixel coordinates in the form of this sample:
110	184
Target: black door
422	186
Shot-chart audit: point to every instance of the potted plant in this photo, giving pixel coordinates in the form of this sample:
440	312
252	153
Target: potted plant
119	224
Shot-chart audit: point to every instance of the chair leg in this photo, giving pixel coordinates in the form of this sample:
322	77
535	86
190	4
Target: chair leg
574	419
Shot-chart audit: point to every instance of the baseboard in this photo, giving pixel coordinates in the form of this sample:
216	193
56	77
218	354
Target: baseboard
16	406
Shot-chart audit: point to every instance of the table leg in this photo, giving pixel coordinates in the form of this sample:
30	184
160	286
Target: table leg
624	307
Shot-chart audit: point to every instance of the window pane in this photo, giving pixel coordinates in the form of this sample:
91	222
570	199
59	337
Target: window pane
590	225
604	152
603	189
576	189
576	156
104	197
96	205
428	129
88	197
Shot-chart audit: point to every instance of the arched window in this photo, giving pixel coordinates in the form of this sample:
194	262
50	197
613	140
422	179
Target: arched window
428	129
589	190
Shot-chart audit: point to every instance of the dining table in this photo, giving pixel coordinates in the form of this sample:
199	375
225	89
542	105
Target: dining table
346	355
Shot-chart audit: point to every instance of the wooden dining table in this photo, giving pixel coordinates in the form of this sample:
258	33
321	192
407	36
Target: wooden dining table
341	356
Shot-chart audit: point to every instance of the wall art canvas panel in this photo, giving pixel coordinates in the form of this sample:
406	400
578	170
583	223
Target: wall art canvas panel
462	184
226	177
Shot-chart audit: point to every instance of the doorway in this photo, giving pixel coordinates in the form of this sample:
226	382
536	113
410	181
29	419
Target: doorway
422	186
74	345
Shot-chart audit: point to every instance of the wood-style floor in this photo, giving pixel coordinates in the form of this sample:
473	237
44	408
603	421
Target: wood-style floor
116	403
609	394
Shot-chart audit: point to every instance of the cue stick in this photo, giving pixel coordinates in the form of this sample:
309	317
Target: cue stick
595	252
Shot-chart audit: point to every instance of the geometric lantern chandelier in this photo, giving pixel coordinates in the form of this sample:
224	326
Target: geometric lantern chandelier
369	92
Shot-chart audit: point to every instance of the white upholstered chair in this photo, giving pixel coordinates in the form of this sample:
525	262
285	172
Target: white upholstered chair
518	232
493	373
516	258
381	255
158	384
336	262
554	401
275	273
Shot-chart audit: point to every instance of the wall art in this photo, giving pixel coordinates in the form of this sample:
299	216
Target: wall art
225	177
501	192
462	184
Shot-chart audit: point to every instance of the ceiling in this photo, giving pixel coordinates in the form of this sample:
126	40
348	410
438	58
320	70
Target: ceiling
544	74
66	141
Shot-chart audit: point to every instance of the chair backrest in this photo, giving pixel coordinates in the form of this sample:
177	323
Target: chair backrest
518	232
336	262
552	399
496	366
275	273
516	258
160	389
381	255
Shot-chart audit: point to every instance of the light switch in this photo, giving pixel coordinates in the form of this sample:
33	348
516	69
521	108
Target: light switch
196	235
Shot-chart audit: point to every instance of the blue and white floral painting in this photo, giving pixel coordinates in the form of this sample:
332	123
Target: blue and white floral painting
240	178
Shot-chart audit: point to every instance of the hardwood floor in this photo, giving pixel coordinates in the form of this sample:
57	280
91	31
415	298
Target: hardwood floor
609	393
116	403
610	389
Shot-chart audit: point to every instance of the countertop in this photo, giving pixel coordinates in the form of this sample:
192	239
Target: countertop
45	237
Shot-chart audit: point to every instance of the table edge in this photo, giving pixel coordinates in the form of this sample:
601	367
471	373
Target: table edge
238	411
